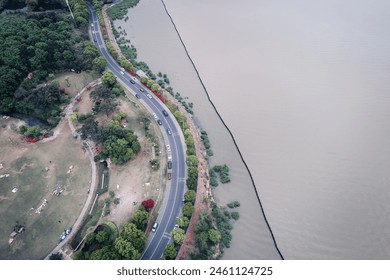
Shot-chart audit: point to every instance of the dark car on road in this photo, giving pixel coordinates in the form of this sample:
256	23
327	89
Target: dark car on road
141	89
138	96
159	122
165	113
132	81
169	164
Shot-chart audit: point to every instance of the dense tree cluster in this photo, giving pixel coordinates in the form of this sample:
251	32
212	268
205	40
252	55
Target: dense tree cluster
31	48
207	235
104	100
105	244
80	11
33	5
120	144
140	218
43	103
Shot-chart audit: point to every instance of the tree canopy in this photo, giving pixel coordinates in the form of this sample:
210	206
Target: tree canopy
32	46
140	218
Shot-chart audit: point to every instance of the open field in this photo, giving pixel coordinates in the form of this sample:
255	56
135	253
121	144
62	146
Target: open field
26	163
76	82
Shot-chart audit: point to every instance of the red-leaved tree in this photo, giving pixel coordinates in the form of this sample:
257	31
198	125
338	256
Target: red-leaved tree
148	204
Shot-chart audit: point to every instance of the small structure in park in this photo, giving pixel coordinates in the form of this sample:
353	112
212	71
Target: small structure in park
17	230
141	74
57	190
40	208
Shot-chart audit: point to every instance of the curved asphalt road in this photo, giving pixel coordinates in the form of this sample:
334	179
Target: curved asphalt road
174	193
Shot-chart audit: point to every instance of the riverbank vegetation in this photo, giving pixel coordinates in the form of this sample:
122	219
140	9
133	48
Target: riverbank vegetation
119	11
221	172
212	233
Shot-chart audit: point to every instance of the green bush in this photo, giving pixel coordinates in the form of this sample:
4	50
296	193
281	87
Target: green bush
233	204
235	215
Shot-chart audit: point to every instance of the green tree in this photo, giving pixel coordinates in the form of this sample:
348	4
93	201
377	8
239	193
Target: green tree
108	78
170	251
137	237
190	196
22	129
118	150
126	249
233	204
182	221
149	83
143	80
90	129
56	256
33	132
106	253
140	218
187	209
101	93
235	215
192	161
73	117
214	235
178	235
99	63
155	87
90	238
101	236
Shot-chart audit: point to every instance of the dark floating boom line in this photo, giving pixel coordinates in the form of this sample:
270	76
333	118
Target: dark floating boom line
223	122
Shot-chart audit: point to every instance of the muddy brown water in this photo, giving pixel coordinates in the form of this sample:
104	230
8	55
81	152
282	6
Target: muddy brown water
304	88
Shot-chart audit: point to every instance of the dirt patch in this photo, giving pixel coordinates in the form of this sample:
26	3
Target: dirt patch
73	82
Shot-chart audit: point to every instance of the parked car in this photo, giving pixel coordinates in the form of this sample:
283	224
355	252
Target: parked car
169	164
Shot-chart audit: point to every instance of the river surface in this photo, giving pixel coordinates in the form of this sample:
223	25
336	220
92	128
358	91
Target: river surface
304	86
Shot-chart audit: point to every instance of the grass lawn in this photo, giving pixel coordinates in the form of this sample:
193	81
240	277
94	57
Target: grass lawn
26	163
